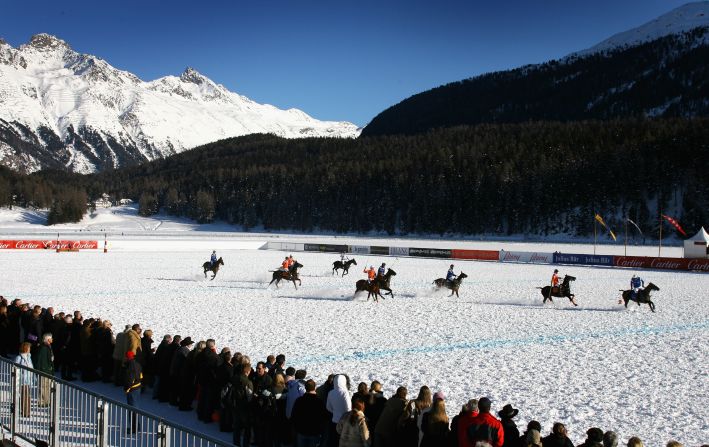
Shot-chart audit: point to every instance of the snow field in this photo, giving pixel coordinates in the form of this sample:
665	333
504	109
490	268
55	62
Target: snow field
638	373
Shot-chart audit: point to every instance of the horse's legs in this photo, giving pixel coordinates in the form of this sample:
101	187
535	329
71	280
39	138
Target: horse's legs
652	305
571	298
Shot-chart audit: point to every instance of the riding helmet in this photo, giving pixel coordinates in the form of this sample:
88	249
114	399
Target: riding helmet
556	271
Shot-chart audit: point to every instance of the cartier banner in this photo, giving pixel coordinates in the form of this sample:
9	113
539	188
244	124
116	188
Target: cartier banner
645	262
47	245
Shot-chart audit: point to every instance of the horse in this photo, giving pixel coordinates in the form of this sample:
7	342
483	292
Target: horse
290	275
345	266
208	267
643	296
563	290
375	287
453	285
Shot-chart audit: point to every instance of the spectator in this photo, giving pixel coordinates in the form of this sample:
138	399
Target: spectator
132	381
352	427
338	403
262	389
594	438
4	330
558	437
309	417
206	379
674	443
179	358
295	389
224	373
240	400
188	377
434	424
146	346
106	343
119	353
385	430
532	438
484	426
44	362
508	425
375	405
466	419
532	425
635	442
60	346
163	368
610	439
26	377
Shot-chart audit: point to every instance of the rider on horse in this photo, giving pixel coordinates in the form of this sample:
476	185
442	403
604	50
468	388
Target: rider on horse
555	279
381	271
371	274
636	284
285	264
213	259
343	257
450	276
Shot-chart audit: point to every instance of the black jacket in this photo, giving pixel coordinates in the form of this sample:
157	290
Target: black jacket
309	416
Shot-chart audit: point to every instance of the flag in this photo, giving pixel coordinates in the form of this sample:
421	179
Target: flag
635	225
675	224
600	220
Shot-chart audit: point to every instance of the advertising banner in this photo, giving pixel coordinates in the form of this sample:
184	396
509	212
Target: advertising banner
583	259
531	257
479	255
47	244
359	249
399	251
332	248
430	252
374	250
645	262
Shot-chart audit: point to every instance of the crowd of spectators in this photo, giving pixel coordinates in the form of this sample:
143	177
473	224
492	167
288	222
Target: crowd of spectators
264	403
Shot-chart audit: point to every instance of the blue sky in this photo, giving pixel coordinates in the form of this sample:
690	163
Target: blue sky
333	60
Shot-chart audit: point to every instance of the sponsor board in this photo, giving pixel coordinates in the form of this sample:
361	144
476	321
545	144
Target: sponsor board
399	251
47	245
531	257
284	246
430	252
584	259
645	262
325	247
478	255
359	249
374	250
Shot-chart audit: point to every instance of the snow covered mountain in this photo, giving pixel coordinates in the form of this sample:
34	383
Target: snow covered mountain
65	110
679	20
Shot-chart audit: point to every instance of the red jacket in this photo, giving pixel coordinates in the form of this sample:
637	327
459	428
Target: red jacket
485	427
555	279
464	422
371	274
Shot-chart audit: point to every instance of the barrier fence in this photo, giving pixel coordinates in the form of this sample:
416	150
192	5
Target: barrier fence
642	262
36	406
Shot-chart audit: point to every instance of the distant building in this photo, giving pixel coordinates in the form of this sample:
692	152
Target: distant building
104	201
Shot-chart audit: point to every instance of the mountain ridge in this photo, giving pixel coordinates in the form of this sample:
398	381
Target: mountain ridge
65	110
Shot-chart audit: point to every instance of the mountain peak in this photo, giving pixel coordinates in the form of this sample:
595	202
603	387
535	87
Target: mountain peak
679	20
193	76
45	41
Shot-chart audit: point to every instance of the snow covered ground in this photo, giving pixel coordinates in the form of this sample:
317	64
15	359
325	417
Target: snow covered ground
599	364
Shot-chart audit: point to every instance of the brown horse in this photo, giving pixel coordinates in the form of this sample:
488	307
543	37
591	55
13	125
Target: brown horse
208	267
290	275
563	290
374	288
453	285
345	266
643	296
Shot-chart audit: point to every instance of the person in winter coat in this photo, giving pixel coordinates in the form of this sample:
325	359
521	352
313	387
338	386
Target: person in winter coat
484	426
206	379
375	405
188	377
594	438
385	430
470	412
338	403
610	439
225	371
119	353
241	395
44	362
309	417
26	377
296	388
532	425
558	437
352	426
178	362
146	346
434	424
158	360
262	385
532	438
132	382
508	425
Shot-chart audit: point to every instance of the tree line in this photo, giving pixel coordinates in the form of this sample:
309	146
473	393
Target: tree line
536	178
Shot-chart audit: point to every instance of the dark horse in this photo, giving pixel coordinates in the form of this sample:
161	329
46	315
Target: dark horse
643	296
453	285
563	290
208	267
345	266
290	275
376	286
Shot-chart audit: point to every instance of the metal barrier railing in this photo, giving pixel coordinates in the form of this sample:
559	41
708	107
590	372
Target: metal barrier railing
36	406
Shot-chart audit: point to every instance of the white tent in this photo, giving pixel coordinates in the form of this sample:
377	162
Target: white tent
697	246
